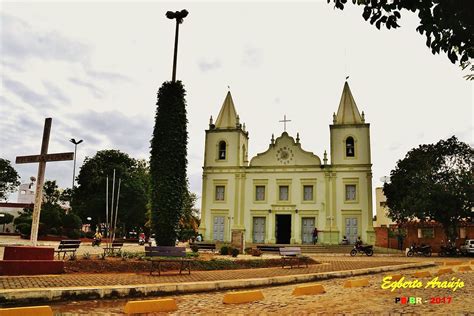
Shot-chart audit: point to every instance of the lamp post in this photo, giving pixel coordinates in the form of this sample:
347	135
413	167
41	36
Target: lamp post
179	16
72	140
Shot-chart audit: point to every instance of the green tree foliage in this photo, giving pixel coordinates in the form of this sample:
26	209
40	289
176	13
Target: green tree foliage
433	182
89	196
189	221
447	24
7	218
168	162
8	179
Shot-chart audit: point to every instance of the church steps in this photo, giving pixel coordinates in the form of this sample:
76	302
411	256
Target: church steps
309	248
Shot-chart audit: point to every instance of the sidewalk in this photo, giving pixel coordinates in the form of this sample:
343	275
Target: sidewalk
35	289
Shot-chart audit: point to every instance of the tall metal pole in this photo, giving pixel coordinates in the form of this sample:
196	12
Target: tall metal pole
178	16
74	168
175	50
116	208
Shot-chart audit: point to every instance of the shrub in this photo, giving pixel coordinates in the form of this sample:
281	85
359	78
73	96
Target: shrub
192	254
224	250
72	257
90	235
102	256
248	250
73	234
235	252
194	248
256	252
86	256
53	231
24	228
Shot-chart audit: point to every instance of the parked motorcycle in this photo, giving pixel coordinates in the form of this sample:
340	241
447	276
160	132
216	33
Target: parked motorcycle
449	251
367	249
96	242
424	250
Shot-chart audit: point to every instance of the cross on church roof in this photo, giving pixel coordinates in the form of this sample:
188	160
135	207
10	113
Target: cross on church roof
284	122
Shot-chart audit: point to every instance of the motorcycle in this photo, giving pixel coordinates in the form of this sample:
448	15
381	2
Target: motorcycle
449	251
367	249
96	242
424	250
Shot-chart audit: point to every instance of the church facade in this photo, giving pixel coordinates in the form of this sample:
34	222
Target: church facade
280	195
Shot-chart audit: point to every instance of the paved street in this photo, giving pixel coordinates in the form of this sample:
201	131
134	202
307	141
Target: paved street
279	301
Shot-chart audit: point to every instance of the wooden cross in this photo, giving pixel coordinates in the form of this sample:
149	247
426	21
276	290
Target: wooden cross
42	158
284	121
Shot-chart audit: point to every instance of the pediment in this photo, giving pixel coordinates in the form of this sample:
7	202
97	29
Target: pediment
285	151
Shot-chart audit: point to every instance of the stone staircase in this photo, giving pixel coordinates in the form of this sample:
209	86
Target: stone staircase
309	248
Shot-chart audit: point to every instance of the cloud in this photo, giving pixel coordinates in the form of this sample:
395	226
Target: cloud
107	76
26	94
21	41
252	57
129	133
56	93
209	65
97	92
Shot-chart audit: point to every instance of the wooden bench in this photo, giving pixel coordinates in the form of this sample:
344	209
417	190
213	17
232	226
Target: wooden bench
292	255
116	245
163	254
204	246
68	246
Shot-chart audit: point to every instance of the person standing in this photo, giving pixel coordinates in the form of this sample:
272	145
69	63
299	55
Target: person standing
315	236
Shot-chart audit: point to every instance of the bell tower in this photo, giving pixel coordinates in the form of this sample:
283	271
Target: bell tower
350	135
226	142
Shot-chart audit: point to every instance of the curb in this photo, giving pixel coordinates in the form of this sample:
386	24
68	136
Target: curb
41	295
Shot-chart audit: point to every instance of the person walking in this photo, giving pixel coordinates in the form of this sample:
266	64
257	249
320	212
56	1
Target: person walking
315	236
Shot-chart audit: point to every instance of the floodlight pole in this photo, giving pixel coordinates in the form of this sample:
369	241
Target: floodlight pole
178	16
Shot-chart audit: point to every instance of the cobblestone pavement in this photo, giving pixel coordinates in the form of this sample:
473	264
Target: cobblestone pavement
337	300
73	280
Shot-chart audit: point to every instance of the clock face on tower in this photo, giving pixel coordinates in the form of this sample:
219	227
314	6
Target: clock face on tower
284	155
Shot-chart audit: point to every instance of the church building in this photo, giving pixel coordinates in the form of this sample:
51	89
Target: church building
280	195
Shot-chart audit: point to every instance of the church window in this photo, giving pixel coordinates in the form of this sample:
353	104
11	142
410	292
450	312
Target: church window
350	192
222	150
308	193
220	191
350	150
283	193
260	193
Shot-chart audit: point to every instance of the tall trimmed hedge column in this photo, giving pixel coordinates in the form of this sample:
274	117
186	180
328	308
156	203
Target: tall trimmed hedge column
168	162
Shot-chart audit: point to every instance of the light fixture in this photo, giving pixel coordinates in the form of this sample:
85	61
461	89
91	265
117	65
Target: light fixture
269	211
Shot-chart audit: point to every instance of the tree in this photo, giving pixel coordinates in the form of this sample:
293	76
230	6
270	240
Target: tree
7	218
168	162
447	24
89	198
433	182
8	179
189	221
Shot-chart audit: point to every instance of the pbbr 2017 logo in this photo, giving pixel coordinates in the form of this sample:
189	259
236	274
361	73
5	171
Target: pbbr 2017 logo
409	300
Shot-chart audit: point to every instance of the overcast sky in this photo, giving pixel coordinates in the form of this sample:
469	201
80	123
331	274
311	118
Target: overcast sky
96	69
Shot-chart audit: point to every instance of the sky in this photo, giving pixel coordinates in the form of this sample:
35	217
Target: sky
96	67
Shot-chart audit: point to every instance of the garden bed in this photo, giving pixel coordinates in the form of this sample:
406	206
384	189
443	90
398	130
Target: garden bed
116	264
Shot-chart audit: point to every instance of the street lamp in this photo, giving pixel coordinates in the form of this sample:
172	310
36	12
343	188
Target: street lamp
72	140
179	16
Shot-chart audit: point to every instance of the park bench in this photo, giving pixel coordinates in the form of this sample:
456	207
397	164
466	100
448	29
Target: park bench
204	246
269	248
164	254
116	245
292	255
68	246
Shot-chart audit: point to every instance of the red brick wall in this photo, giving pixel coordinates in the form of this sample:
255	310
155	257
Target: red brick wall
382	239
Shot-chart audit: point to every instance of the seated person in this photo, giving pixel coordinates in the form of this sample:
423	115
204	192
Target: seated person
345	241
358	242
